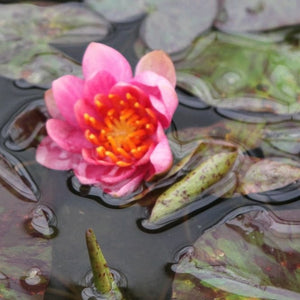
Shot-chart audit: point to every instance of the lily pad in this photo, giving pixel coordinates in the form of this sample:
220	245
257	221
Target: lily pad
118	10
243	74
257	15
26	52
170	25
219	269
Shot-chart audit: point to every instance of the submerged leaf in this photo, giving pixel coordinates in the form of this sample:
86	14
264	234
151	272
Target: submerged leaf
25	51
242	74
219	269
26	126
192	185
258	15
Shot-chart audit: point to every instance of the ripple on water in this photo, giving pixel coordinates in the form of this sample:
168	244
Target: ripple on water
90	292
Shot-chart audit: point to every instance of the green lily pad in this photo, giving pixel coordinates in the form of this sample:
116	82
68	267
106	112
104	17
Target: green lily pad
25	50
257	15
251	254
242	73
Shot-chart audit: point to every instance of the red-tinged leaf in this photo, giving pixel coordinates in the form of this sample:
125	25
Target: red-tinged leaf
251	254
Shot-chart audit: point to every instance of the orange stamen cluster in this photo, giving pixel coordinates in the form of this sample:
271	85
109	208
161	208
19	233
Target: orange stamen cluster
122	129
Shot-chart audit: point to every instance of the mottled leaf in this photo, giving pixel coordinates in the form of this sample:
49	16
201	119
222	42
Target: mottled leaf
244	74
257	15
190	187
25	51
268	175
26	126
251	254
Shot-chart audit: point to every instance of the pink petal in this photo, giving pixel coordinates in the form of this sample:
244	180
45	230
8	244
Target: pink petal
167	102
82	107
89	174
122	89
50	155
125	188
159	62
99	83
67	90
161	158
66	136
51	105
104	174
99	57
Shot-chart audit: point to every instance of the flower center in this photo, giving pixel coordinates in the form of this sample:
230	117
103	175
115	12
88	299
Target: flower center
122	129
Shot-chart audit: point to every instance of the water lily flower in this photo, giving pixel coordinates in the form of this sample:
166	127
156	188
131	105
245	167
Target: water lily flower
108	127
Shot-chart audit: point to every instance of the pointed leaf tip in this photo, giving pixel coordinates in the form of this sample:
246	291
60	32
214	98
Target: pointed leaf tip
103	278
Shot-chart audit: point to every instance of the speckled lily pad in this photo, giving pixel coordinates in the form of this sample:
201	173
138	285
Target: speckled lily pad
257	15
241	73
25	51
252	254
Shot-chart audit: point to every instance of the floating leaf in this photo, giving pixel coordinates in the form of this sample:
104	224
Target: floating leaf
26	126
257	15
268	175
118	10
242	74
172	25
219	269
284	137
25	50
16	178
190	187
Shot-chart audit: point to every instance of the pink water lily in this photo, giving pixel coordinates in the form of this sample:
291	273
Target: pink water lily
109	126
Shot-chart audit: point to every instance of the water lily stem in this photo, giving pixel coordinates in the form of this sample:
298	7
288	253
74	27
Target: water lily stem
103	279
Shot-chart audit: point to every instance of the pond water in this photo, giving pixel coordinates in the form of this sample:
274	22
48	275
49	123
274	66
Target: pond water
239	94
